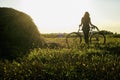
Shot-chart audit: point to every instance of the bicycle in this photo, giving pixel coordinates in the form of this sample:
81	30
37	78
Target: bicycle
74	39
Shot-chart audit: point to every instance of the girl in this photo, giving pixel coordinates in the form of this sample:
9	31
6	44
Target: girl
85	23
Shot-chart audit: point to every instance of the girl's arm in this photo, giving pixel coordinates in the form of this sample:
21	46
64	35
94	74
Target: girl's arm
80	24
91	24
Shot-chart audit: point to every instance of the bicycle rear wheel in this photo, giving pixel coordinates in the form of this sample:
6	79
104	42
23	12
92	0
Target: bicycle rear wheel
97	38
73	40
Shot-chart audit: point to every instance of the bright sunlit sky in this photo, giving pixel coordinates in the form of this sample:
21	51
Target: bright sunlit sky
59	16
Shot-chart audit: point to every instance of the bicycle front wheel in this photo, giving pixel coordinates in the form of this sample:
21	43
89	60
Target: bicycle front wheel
73	40
97	38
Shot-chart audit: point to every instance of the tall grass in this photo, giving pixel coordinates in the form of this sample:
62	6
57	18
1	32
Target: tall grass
96	63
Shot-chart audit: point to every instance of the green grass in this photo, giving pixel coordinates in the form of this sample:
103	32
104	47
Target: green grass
96	63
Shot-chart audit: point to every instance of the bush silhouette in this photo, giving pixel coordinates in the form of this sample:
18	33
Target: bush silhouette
18	34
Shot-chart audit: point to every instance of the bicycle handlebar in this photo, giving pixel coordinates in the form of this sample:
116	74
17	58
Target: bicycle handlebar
95	27
91	28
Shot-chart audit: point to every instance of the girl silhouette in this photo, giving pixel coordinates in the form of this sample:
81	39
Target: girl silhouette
85	23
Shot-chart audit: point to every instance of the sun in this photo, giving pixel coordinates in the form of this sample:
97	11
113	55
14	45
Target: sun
49	14
33	8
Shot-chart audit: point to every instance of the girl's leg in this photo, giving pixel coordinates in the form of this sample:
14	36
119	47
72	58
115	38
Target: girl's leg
86	36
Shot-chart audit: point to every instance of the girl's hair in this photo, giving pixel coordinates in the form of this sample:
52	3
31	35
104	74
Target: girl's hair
86	14
86	18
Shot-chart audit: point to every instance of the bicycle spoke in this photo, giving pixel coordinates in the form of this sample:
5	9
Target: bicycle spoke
97	38
73	40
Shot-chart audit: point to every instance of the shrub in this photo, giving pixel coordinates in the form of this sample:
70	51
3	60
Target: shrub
18	34
116	36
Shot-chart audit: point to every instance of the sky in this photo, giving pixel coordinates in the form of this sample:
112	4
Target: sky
64	16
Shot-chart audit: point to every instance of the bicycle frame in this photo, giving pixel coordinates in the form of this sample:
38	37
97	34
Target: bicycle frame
95	36
92	30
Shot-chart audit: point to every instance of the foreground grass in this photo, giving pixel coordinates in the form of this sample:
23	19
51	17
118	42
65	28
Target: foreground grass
96	63
63	64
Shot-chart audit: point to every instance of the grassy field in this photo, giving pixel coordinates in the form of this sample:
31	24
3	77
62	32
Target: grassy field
61	63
